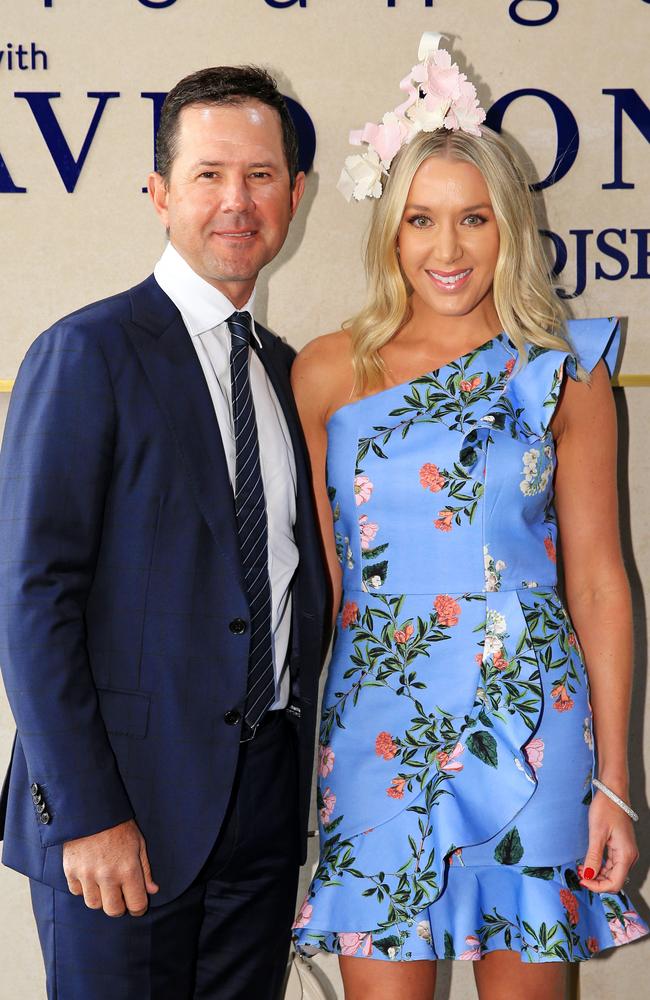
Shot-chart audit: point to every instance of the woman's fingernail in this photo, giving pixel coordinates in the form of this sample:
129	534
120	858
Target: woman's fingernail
588	873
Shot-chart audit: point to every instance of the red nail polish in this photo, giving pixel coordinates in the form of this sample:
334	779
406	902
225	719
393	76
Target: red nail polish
588	873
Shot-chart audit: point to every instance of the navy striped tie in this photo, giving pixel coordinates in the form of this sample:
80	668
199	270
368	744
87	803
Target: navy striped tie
252	526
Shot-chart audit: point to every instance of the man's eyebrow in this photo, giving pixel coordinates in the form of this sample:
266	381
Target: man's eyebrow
224	163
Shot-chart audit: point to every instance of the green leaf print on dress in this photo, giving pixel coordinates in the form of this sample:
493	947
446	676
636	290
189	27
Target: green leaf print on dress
509	851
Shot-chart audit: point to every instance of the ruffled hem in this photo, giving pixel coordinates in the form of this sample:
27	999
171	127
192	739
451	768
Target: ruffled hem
542	913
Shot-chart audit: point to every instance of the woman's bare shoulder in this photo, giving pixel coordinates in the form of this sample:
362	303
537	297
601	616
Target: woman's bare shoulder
332	350
322	374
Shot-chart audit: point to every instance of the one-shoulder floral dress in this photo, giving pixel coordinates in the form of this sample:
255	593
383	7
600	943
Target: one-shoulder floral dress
456	749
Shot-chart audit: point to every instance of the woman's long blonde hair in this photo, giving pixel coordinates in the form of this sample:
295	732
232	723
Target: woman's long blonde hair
528	308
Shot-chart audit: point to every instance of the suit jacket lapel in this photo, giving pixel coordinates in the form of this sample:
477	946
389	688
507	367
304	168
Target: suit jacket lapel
174	372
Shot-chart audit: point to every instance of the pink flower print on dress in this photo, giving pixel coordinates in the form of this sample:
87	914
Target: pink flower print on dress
396	790
368	531
563	701
473	952
570	904
329	801
627	929
430	477
534	751
304	914
510	364
353	942
445	517
592	945
403	635
448	610
449	761
350	614
325	760
499	660
362	489
468	385
385	746
550	549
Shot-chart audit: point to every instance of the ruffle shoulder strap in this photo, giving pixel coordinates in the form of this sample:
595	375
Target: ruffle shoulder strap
527	404
593	339
532	394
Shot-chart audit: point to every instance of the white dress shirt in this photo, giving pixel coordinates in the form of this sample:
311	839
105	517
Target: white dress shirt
205	310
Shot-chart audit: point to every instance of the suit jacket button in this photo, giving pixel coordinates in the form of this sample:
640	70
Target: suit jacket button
238	626
40	808
35	789
37	800
44	818
232	717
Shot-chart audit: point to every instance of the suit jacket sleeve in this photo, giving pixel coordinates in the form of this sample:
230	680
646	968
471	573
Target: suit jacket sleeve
55	471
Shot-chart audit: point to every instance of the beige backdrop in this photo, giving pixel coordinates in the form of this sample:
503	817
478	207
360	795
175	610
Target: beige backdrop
342	59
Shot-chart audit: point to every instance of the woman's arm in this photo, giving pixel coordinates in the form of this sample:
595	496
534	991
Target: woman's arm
598	598
312	387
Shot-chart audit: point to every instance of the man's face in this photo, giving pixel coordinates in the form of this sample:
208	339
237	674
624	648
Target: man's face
228	200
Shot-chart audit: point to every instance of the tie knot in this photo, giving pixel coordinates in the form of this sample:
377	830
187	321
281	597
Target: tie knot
240	328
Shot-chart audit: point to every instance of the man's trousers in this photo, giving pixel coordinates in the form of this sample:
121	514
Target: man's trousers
227	936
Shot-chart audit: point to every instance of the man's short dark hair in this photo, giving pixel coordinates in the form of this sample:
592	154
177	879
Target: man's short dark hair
229	85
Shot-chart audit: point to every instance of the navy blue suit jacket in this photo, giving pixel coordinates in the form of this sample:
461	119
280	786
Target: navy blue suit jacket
119	577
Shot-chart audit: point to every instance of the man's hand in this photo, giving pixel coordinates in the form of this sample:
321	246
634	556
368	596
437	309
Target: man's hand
111	870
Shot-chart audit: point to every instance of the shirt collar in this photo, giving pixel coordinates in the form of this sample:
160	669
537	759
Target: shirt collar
202	306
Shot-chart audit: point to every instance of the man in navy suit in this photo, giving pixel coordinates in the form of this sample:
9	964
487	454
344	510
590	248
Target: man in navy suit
162	608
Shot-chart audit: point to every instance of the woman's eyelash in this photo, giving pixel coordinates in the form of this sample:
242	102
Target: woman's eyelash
424	218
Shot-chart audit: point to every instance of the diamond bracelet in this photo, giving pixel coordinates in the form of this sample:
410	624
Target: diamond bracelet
614	797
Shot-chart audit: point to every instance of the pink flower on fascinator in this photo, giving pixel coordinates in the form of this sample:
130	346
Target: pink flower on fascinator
466	113
433	85
386	139
443	77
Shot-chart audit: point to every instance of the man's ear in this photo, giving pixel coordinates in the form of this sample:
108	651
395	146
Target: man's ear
297	192
159	194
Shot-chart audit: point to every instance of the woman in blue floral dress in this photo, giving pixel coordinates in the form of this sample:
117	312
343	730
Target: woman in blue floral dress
454	427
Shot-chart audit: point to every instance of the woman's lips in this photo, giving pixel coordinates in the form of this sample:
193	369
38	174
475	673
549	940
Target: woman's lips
450	281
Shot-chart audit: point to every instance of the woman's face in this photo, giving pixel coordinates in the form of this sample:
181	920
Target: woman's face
448	238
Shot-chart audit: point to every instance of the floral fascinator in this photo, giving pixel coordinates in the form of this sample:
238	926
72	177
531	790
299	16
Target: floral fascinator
439	96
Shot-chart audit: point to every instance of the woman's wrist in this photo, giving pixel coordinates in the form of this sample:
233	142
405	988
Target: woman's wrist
616	799
618	779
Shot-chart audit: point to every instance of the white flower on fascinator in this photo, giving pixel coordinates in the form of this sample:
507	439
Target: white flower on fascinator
427	114
361	177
